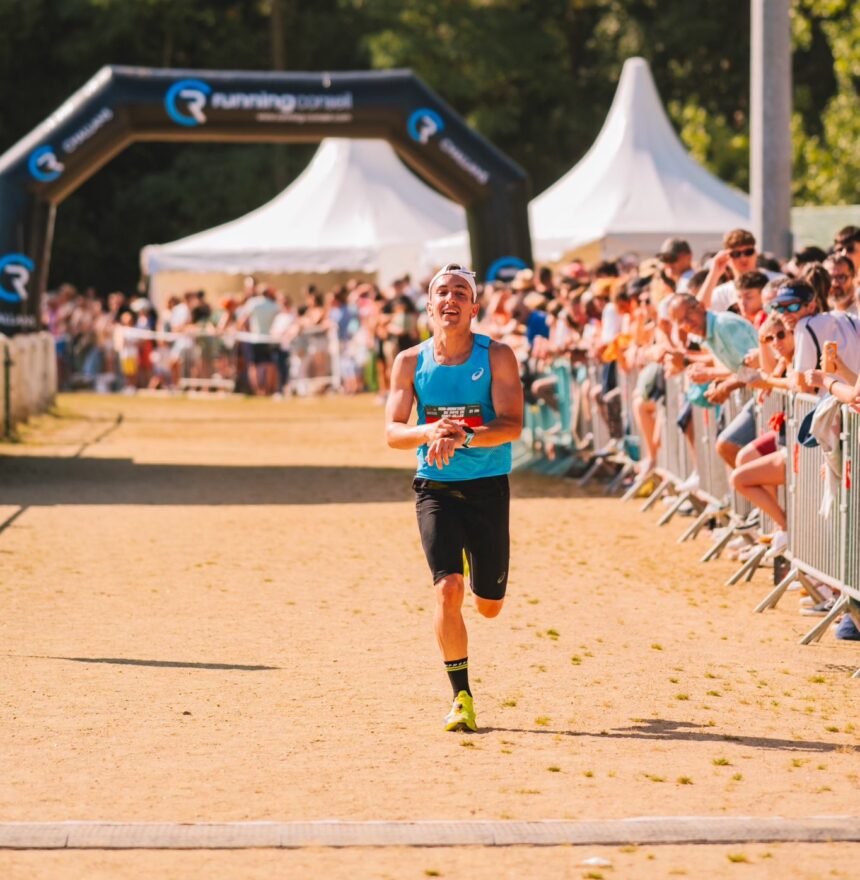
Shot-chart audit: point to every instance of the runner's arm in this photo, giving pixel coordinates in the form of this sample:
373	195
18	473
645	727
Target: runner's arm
398	408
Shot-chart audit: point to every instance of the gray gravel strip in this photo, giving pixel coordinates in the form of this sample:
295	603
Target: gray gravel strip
330	833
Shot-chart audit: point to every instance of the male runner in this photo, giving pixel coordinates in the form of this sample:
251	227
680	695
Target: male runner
470	408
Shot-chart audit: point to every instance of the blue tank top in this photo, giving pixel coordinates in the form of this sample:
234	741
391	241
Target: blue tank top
461	392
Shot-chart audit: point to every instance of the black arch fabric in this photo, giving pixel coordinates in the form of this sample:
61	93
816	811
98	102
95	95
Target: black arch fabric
121	105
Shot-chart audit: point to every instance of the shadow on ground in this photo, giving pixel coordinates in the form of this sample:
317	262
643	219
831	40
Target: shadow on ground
31	481
165	664
40	481
661	729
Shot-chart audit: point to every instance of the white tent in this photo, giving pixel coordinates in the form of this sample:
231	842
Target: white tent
355	208
635	186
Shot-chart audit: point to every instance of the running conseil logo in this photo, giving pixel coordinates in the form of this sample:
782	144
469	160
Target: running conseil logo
44	165
15	272
423	124
185	101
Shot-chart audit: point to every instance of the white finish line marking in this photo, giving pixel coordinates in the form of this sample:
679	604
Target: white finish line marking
332	833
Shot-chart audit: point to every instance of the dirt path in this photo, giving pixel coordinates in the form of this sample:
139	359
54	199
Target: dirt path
219	610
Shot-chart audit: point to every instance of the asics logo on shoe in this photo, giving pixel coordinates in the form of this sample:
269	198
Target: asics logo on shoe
477	374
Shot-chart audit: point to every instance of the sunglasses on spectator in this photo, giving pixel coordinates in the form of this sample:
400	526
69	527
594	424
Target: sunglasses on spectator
745	252
780	334
840	277
790	307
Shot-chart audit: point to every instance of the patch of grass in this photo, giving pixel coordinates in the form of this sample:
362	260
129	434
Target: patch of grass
673	680
628	848
738	858
656	646
554	769
588	774
821	766
467	744
721	762
542	721
528	791
509	704
593	875
831	728
506	752
797	762
737	777
553	634
533	601
714	694
576	660
684	780
817	679
682	696
655	778
431	872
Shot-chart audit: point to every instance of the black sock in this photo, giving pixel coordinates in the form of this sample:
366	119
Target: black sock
458	673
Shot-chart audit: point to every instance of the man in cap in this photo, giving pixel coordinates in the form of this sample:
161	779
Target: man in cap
470	407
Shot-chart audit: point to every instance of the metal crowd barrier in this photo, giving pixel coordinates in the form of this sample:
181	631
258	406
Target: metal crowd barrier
738	399
550	434
608	420
207	361
673	456
850	502
822	550
850	506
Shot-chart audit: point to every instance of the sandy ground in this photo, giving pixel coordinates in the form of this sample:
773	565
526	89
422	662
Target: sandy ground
219	610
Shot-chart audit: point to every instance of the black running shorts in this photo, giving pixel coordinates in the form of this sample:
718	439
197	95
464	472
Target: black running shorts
470	515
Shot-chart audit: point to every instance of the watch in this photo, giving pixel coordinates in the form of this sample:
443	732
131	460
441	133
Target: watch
470	436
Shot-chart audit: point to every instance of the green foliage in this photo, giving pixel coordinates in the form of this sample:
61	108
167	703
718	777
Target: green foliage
534	76
826	128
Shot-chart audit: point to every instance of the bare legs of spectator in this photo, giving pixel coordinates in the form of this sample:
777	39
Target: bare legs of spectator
263	378
645	413
728	451
758	480
545	390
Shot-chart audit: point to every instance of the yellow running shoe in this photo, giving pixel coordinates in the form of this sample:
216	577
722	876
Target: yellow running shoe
462	714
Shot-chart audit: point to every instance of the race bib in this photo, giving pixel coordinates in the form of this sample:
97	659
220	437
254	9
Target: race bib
464	413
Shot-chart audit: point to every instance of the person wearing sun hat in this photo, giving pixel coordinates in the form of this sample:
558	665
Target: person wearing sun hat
795	302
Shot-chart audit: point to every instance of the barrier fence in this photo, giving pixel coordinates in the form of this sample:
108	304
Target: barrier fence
28	368
823	547
208	361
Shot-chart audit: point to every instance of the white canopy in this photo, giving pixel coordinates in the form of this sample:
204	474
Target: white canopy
356	207
635	186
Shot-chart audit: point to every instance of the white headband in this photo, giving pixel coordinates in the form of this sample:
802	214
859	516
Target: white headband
460	272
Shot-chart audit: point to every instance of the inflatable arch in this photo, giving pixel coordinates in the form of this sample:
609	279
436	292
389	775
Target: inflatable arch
121	105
